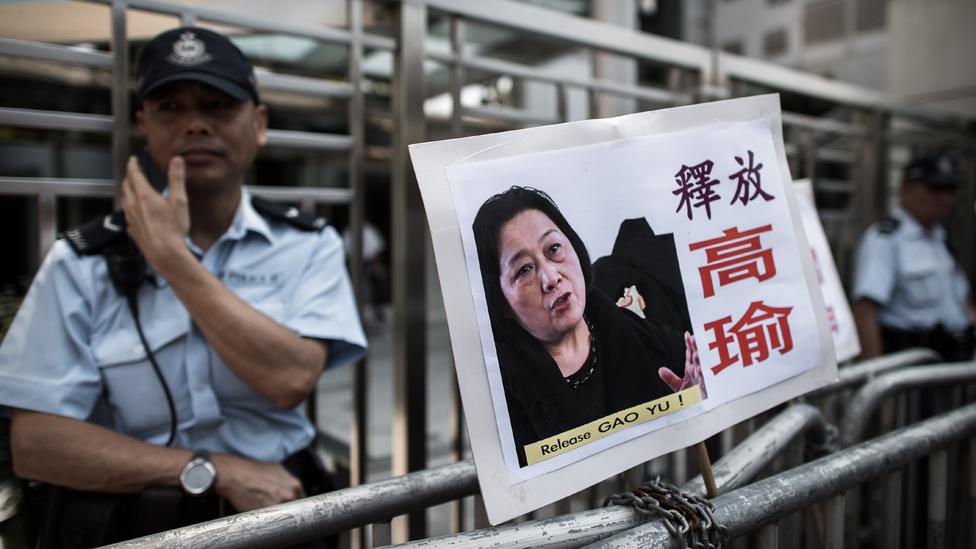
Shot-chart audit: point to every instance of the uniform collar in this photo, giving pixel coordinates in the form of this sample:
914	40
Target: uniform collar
248	219
912	228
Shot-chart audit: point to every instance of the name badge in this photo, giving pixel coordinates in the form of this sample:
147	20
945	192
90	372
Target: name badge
250	278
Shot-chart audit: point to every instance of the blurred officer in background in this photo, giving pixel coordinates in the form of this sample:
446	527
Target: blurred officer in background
909	291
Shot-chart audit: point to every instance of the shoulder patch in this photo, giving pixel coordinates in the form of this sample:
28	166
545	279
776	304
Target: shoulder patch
288	214
96	235
888	225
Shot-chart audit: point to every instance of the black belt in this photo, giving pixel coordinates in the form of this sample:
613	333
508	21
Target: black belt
952	345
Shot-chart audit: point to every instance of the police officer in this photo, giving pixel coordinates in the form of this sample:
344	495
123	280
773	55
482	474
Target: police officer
187	369
909	291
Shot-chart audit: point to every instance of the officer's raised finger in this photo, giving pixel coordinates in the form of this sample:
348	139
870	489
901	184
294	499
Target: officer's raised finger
128	192
176	175
134	178
130	164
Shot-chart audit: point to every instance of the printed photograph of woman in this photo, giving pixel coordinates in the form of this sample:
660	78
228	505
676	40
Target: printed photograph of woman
568	352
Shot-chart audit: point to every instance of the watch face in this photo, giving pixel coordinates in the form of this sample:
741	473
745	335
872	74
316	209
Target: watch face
198	476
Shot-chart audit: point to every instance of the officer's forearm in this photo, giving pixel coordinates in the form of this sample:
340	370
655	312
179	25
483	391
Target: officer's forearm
83	456
868	330
277	363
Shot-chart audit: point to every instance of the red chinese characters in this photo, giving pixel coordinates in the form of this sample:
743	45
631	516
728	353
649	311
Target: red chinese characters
759	331
735	256
762	329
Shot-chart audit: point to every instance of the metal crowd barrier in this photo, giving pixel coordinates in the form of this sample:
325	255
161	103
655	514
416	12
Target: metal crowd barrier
376	502
741	508
882	394
379	502
863	406
764	502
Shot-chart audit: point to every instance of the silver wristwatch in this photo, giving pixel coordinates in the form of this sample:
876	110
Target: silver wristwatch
199	474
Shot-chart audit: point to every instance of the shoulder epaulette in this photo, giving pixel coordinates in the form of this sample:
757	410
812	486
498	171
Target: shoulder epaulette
888	225
96	235
288	214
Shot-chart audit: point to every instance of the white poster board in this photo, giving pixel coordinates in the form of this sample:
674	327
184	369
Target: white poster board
707	189
840	319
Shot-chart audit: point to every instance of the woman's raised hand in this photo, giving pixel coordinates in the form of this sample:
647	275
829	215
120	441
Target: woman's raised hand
693	375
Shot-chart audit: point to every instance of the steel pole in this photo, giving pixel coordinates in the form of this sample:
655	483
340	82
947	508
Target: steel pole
409	247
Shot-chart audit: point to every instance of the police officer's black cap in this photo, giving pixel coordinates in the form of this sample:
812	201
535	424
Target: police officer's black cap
193	53
936	170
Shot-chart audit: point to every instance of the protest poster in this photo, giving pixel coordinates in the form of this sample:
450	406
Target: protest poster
619	289
840	319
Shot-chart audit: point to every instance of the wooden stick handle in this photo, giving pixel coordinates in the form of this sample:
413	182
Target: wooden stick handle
705	464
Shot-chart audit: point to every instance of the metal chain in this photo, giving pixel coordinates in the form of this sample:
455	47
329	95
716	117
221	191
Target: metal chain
687	517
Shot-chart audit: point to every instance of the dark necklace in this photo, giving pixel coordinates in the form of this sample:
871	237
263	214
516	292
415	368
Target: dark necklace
575	381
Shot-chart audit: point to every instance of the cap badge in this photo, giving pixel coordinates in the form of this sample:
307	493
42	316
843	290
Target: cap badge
945	166
188	51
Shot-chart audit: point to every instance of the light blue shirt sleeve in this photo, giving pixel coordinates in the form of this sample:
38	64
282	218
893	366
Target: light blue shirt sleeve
875	267
324	306
46	363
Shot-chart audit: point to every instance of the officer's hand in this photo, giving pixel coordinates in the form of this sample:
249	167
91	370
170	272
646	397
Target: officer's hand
250	485
693	375
158	224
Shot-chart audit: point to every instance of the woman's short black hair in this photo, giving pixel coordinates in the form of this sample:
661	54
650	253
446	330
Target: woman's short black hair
493	214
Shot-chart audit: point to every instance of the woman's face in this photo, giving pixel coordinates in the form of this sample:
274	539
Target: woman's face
541	276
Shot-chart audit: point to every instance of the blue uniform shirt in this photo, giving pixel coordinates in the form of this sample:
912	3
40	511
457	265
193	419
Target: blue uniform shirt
73	349
910	273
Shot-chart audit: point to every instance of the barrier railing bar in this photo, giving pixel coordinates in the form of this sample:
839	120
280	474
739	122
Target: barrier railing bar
735	469
357	506
938	478
769	536
834	185
915	136
784	78
835	155
29	186
47	216
576	30
749	458
863	405
507	114
266	80
221	17
595	34
891	501
51	52
356	112
829	155
32	186
822	124
836	216
302	84
121	130
555	77
768	500
296	194
319	516
309	140
833	527
871	368
55	120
